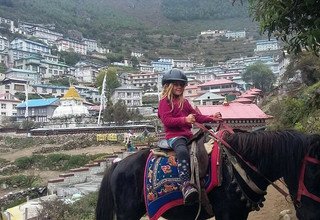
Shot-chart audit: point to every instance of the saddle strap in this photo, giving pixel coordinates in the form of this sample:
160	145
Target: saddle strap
195	177
243	173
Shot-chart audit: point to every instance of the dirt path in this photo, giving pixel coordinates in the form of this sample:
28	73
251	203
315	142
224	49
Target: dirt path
14	154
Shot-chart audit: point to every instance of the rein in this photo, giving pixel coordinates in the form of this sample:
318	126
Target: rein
302	190
223	142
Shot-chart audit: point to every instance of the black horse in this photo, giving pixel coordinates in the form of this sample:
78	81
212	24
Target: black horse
274	154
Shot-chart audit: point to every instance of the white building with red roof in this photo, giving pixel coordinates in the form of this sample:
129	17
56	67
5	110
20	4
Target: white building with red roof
221	86
191	92
238	115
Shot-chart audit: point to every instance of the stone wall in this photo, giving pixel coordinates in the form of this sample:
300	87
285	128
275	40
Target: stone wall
79	175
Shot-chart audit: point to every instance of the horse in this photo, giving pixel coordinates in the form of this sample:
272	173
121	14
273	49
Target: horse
265	156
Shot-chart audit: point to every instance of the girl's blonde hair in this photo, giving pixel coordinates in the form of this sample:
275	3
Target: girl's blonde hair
167	92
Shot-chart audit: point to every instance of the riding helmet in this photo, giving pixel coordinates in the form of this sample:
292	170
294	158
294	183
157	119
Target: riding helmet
174	75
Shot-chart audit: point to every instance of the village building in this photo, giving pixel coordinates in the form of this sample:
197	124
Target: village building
29	46
238	115
47	66
69	45
222	87
266	45
86	72
146	68
27	75
8	104
235	34
243	100
183	64
129	94
208	98
37	110
191	92
146	80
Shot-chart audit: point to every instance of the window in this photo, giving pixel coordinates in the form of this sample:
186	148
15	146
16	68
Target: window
3	113
14	106
3	106
7	87
18	87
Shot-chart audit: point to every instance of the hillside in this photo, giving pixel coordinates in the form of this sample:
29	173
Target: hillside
131	24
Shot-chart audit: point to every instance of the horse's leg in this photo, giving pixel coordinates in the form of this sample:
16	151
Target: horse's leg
127	187
105	203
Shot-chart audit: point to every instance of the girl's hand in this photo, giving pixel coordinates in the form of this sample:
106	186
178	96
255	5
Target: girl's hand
218	115
190	119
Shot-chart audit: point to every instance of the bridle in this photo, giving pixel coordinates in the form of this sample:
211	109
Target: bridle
302	190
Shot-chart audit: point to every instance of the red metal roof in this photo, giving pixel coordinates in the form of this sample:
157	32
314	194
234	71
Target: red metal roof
245	95
234	110
217	82
191	87
256	90
243	100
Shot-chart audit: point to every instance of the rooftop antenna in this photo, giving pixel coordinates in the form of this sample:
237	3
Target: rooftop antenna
102	98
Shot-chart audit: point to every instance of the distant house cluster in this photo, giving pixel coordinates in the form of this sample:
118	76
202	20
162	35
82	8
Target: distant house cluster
225	33
31	65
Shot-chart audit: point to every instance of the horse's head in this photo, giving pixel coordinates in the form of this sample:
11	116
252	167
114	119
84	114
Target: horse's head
308	195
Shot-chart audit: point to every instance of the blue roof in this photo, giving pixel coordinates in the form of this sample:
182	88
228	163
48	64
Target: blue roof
37	102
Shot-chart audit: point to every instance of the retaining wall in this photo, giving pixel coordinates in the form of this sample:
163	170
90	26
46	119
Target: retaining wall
79	175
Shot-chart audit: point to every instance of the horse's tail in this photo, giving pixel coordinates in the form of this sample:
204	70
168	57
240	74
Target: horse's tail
105	204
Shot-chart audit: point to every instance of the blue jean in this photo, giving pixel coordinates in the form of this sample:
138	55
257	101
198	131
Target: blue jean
179	145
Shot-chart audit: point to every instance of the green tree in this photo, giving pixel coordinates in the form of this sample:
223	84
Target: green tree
135	62
63	81
295	22
108	113
3	68
70	58
306	64
121	115
260	76
111	80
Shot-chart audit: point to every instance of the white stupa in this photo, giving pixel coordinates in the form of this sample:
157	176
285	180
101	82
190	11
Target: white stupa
71	105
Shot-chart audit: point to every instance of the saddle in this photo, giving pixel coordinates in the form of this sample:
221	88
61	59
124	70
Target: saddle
201	153
198	170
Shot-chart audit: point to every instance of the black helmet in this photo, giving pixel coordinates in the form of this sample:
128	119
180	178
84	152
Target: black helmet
174	75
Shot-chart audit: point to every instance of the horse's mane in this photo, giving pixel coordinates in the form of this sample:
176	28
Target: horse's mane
272	150
199	134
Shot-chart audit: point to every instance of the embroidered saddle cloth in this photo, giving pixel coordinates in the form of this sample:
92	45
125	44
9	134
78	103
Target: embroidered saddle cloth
162	185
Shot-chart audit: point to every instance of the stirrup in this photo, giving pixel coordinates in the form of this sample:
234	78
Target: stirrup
190	193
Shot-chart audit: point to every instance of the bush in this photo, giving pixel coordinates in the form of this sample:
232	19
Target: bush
60	162
76	161
24	163
81	209
20	181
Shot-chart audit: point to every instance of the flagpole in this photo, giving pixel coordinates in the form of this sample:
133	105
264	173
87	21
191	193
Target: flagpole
102	98
26	114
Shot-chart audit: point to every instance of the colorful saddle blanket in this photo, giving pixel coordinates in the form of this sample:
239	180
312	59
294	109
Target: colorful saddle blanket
162	185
